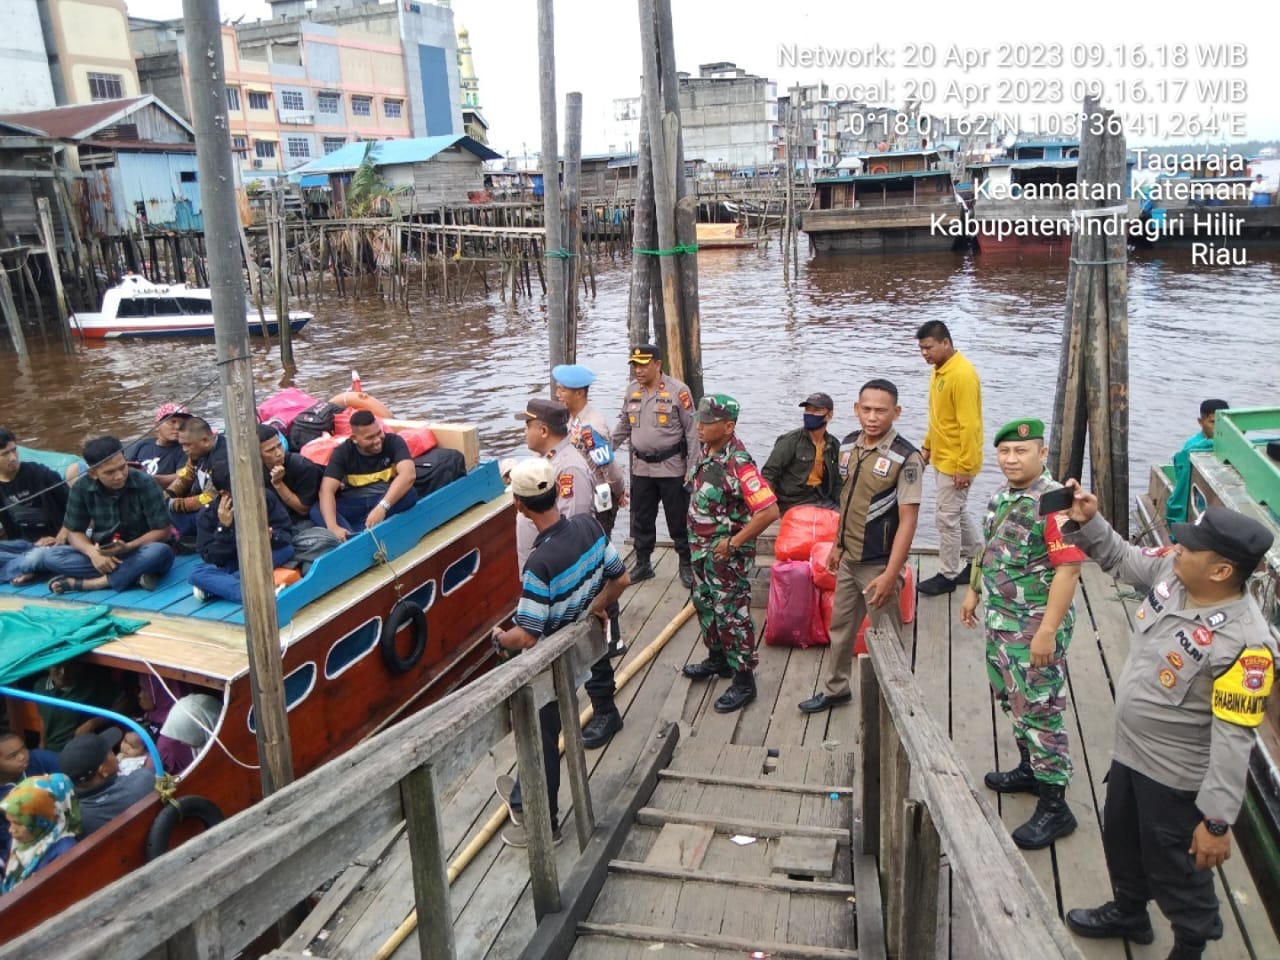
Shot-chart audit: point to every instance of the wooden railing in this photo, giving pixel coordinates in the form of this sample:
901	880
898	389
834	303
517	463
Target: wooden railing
215	894
918	802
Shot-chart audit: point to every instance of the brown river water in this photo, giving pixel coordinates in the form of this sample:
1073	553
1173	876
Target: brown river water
1195	332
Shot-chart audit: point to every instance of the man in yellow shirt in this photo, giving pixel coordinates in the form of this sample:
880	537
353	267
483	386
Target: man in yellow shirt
953	446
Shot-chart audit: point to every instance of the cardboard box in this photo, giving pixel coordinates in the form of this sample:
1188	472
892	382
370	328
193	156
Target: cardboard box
463	437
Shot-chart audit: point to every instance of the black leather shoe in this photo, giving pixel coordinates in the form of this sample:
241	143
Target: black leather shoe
714	666
1109	921
1051	821
935	586
601	729
1185	951
825	701
742	692
642	569
686	574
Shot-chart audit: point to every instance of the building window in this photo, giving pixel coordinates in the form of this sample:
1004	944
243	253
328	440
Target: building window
240	145
299	147
391	109
292	100
265	149
233	98
362	106
259	101
327	103
106	86
333	144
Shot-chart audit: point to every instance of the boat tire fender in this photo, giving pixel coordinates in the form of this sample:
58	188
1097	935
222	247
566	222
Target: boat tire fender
879	168
362	401
402	613
171	814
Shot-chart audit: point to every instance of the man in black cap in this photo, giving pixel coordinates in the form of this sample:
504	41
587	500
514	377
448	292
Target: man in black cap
657	419
804	466
90	761
1193	690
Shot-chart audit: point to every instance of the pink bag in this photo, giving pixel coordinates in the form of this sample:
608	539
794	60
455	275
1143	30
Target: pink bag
285	406
793	602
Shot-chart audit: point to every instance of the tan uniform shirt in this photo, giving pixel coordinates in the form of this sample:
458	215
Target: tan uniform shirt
573	487
658	424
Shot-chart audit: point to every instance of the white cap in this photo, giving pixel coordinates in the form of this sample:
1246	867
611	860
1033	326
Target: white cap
532	477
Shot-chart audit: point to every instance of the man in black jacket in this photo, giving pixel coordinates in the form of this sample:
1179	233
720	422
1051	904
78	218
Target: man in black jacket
804	466
219	575
33	499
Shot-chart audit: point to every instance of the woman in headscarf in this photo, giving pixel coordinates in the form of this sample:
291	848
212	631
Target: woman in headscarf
156	701
44	817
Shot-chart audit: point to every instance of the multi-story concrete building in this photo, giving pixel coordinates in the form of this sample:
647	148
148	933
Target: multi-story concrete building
88	46
729	116
25	83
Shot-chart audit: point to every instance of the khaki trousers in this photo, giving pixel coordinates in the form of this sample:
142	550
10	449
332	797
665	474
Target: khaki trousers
957	533
848	609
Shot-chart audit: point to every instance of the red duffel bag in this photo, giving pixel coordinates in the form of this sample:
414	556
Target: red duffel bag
793	601
801	528
823	579
821	633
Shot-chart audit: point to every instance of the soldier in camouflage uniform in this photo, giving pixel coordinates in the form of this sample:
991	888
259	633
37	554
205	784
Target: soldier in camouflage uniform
1029	575
730	506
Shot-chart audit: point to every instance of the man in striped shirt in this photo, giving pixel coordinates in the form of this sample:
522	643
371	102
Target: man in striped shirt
573	570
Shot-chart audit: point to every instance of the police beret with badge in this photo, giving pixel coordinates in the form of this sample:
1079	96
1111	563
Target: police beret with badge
1026	429
1231	535
717	407
572	376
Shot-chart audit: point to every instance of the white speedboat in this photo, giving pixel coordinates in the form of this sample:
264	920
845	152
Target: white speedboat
136	307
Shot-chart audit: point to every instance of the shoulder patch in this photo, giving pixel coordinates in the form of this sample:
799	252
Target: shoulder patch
686	400
755	490
911	474
1240	694
564	484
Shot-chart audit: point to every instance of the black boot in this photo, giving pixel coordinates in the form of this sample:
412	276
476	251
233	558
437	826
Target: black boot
1109	920
686	573
641	569
1052	820
1186	951
1018	780
714	666
739	695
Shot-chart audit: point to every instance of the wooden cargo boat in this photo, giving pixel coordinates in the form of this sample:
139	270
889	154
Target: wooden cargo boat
353	659
1240	474
136	307
1019	190
902	202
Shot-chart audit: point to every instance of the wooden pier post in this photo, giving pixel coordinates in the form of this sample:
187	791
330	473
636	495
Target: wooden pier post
11	317
643	238
217	192
571	212
51	251
553	250
543	876
280	267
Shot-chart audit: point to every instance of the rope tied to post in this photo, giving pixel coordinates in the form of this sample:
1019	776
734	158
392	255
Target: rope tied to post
678	248
559	255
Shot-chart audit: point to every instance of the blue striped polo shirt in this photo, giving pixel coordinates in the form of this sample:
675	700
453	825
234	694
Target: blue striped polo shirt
566	571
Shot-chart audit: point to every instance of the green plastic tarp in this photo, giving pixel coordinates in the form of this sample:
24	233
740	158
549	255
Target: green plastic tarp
34	638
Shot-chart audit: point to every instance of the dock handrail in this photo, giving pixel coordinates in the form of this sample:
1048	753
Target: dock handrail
218	892
917	802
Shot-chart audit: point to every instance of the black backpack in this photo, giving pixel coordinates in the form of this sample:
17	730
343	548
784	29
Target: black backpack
437	467
312	422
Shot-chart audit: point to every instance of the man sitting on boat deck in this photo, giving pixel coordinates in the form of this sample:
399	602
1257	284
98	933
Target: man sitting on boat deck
296	481
804	465
369	477
33	499
118	529
160	454
219	575
1175	511
194	489
91	763
572	570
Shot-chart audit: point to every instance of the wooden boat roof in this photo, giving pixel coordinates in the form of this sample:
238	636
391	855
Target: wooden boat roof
205	643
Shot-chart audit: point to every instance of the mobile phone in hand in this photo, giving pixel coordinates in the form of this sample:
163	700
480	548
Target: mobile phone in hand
1056	500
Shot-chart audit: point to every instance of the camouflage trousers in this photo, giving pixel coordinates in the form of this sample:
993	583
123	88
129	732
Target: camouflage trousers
722	599
1033	698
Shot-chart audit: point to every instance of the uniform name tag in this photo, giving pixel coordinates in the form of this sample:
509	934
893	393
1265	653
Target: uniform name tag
1240	694
881	468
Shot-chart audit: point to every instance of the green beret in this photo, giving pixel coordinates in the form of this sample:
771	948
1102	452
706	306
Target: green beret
1029	429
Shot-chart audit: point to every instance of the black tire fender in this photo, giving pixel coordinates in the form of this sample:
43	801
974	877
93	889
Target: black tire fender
171	814
403	612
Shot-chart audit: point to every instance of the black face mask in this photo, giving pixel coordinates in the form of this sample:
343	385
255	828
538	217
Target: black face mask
812	421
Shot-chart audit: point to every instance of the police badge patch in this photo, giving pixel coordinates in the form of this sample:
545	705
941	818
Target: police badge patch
564	484
686	400
910	474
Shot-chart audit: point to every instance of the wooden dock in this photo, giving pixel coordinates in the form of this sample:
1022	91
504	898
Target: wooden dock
680	880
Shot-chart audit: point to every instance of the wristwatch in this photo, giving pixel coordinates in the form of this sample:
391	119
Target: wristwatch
1218	828
386	507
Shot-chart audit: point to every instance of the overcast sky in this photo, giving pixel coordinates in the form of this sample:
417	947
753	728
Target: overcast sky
598	54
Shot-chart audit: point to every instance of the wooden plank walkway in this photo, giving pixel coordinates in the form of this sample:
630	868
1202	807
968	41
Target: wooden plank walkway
675	878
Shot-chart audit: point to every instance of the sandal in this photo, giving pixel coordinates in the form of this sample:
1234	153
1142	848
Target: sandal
61	585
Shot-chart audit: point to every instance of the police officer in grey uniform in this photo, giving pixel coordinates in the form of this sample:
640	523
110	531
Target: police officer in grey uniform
1193	689
658	419
546	433
590	434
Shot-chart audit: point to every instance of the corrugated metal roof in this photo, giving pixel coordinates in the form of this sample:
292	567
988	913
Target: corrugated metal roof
82	120
387	153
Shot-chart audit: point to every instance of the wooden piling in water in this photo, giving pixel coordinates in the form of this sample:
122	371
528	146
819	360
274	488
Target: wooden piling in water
45	223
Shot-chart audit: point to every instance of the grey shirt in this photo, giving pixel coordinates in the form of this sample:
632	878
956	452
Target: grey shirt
573	484
658	422
1167	725
101	806
611	472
